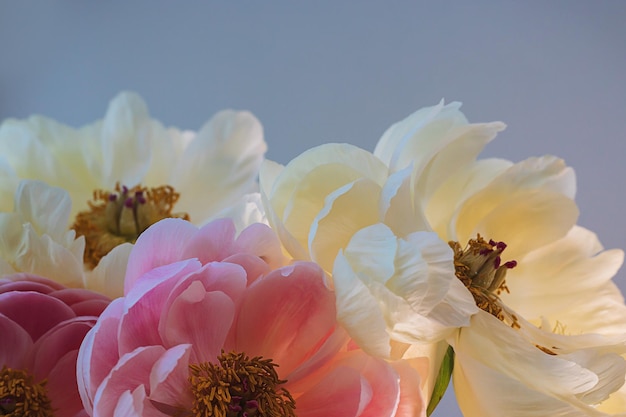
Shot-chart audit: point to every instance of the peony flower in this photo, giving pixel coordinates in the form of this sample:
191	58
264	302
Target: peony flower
34	239
213	325
379	223
42	325
127	171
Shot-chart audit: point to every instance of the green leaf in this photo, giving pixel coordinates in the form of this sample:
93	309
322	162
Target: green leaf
443	379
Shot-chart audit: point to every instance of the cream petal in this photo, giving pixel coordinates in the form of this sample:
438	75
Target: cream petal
442	206
46	208
229	149
336	164
108	276
395	139
397	204
346	210
579	283
462	146
41	255
535	193
124	140
492	354
414	282
246	211
358	311
524	221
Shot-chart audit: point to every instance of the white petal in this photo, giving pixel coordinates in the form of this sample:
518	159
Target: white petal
124	140
346	211
220	164
358	311
498	371
108	276
46	208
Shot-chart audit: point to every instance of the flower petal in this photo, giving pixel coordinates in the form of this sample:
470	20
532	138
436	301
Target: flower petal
13	343
296	316
229	149
132	370
161	244
337	221
35	312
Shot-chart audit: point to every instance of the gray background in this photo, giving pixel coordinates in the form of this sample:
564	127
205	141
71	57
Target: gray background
338	71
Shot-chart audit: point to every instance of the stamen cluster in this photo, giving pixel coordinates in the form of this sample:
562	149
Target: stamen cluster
239	387
118	217
20	396
480	268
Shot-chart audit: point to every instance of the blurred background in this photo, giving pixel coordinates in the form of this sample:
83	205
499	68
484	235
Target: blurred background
338	71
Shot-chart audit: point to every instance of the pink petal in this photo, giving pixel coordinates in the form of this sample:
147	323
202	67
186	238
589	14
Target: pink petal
144	305
62	388
83	302
93	366
294	318
56	343
169	382
339	394
383	381
135	404
35	312
132	370
213	242
258	239
255	267
201	319
411	400
161	244
15	343
28	282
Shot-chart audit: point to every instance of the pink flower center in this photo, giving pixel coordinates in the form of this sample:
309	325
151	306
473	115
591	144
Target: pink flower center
118	217
480	268
239	387
21	397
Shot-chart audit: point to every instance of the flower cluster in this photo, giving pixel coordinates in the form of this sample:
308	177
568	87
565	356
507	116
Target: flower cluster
148	271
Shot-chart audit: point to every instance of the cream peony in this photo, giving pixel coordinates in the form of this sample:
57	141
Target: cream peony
127	171
35	239
380	221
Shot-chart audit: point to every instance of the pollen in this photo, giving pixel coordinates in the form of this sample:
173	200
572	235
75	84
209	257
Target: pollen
20	396
239	386
480	268
121	216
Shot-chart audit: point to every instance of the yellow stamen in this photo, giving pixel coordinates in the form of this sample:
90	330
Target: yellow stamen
239	386
21	397
480	269
118	217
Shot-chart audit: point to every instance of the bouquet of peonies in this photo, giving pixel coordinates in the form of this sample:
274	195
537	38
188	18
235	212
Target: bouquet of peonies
148	271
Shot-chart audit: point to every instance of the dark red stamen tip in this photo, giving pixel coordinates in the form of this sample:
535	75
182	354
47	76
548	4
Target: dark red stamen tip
511	264
141	200
252	404
124	189
129	202
492	242
496	262
501	246
112	197
485	251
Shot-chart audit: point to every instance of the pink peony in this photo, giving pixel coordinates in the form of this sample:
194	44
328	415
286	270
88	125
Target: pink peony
213	325
42	324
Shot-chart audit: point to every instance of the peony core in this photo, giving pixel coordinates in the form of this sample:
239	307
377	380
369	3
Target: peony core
480	268
121	216
239	386
21	396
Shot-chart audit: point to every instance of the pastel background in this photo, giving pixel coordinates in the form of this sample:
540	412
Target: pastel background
340	71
